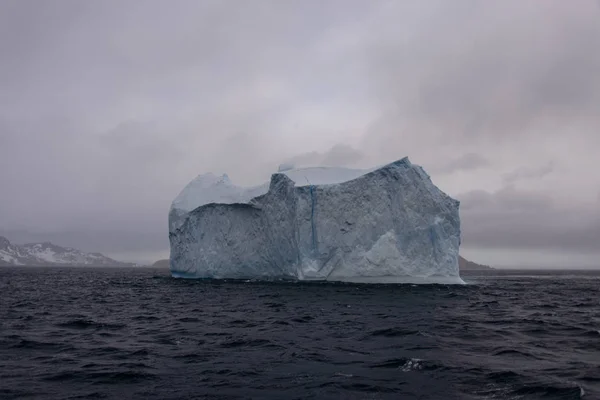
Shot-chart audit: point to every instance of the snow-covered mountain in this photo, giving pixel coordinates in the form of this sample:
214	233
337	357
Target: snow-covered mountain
47	254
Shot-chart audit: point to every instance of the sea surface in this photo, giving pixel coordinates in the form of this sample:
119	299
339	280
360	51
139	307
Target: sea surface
81	333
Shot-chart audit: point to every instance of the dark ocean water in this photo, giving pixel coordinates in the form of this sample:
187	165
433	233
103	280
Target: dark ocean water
69	333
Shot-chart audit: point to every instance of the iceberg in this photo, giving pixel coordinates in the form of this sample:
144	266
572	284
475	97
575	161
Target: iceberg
387	224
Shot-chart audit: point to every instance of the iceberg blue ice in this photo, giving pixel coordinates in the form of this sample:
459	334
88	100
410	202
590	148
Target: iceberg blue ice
383	225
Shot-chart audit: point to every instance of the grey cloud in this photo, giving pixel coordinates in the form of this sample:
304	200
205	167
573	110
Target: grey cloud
465	162
489	72
109	108
310	158
516	219
531	231
525	173
340	155
507	199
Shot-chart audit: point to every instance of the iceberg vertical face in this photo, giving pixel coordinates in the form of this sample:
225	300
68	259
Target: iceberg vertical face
389	224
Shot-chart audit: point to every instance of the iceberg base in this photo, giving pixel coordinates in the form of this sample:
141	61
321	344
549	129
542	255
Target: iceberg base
425	280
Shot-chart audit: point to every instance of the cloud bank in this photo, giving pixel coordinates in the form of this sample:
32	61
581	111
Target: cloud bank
109	108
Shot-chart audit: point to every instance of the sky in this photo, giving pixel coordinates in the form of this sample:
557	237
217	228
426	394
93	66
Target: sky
109	108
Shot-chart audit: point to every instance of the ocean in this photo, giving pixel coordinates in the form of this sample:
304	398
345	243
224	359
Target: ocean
87	333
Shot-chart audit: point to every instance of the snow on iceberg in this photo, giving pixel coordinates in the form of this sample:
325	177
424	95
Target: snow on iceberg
383	225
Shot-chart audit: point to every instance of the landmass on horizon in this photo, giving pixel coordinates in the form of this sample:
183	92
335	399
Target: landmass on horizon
48	254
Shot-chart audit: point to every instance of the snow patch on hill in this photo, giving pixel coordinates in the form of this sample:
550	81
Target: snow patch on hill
47	254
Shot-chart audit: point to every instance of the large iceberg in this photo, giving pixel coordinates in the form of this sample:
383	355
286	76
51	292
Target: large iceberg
383	225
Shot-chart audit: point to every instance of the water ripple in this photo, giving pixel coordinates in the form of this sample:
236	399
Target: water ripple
113	334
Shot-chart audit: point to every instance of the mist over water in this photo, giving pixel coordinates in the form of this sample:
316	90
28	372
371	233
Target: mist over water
115	333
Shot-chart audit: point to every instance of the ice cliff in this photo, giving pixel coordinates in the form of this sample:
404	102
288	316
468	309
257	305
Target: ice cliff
387	224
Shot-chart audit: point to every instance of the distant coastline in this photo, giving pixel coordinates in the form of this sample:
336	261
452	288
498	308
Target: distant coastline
161	264
47	254
466	265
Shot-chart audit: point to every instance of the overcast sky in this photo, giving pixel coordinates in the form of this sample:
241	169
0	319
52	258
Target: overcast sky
108	108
